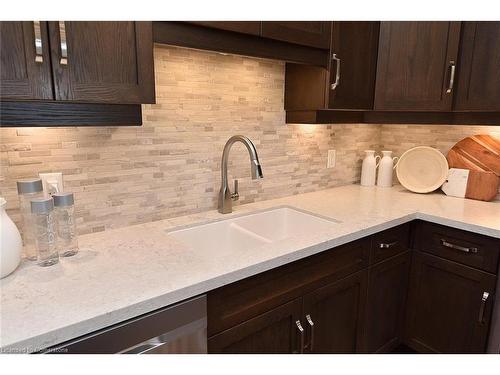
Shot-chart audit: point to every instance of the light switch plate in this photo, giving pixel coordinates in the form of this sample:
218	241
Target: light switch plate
331	159
52	183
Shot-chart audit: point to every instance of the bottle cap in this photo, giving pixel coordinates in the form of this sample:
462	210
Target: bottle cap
63	199
42	205
31	185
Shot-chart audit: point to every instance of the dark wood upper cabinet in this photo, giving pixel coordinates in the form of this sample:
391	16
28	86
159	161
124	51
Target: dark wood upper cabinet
25	68
349	80
448	310
308	33
273	332
355	46
107	62
333	316
244	27
478	86
415	65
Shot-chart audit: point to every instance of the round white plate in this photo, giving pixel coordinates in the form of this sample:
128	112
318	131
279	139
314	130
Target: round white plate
422	169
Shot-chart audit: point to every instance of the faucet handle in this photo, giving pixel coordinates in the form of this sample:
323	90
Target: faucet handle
235	196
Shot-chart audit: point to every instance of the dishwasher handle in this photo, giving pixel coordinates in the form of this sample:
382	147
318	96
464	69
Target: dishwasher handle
146	347
189	338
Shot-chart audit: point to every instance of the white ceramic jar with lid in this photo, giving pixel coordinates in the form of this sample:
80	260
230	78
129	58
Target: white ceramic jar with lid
27	190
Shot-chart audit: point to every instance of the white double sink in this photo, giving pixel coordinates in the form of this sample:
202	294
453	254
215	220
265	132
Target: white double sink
252	230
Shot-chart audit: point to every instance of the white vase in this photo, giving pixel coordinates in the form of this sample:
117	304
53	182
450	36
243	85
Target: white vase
10	243
369	168
385	169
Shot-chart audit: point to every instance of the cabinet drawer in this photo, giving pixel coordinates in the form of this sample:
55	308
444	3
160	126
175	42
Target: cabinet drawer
389	243
468	248
245	299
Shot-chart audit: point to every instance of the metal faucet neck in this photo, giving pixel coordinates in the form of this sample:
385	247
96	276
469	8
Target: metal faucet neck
225	196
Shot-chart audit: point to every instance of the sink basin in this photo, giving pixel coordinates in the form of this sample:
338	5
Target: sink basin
251	230
221	236
282	223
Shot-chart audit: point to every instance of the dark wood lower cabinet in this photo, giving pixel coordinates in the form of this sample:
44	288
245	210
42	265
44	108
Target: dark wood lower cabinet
274	332
368	296
327	320
448	311
385	307
333	316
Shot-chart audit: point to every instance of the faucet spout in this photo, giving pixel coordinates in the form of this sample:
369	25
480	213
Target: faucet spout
225	197
256	170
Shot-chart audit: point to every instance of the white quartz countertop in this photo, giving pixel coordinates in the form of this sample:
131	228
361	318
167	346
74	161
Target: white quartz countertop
123	273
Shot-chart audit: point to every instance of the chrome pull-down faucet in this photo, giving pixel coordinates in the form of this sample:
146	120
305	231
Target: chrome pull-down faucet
226	198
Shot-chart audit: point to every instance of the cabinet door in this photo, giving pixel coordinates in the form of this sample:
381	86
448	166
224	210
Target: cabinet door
415	64
385	307
336	314
479	67
107	62
449	306
244	27
274	332
312	34
25	63
355	47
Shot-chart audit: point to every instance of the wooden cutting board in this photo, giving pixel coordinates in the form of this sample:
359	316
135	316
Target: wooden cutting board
477	153
477	185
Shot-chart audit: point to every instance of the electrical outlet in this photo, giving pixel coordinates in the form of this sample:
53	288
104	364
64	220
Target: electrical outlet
52	183
331	159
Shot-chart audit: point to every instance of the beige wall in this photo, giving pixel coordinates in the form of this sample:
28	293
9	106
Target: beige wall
171	165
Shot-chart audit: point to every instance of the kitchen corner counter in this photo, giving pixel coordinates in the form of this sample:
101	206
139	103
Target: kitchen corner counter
122	273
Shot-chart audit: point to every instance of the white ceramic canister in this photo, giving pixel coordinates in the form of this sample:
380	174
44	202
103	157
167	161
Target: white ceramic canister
369	168
386	168
11	244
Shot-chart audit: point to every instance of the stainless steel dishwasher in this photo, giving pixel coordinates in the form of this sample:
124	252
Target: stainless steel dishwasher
177	329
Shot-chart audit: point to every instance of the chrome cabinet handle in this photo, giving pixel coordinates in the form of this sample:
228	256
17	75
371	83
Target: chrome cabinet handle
235	195
301	330
458	247
387	245
337	72
38	42
311	324
483	306
64	44
452	77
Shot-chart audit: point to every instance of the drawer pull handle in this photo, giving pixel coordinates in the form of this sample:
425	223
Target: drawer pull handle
38	42
483	306
458	247
452	77
335	84
387	245
311	324
301	330
64	44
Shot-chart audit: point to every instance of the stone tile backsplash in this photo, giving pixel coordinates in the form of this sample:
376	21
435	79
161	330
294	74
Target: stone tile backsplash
170	166
400	138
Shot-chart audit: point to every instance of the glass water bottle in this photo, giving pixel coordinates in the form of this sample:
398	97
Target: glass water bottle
27	190
44	225
67	242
